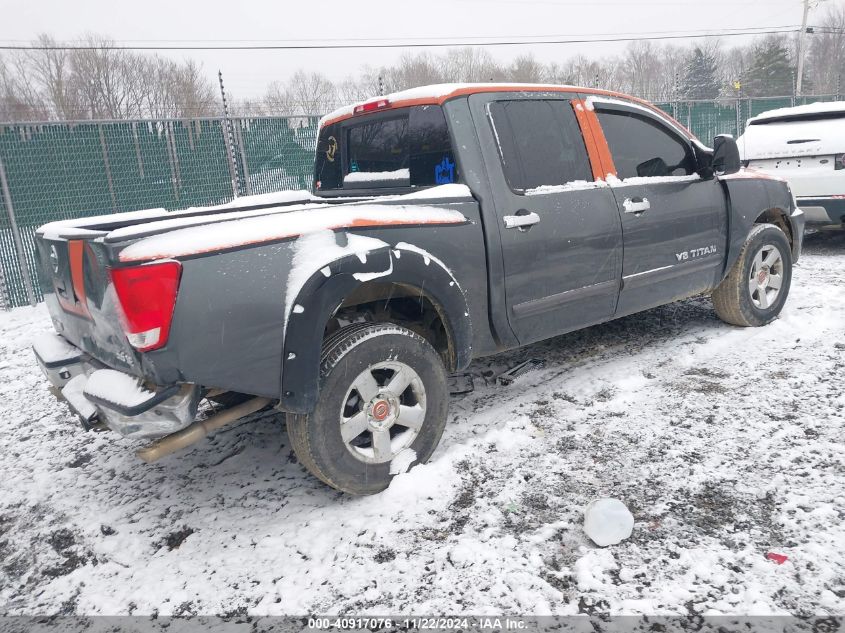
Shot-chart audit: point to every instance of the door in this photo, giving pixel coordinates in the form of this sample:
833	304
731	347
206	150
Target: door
560	231
674	223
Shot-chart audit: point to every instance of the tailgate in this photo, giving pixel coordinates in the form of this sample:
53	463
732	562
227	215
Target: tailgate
81	299
75	256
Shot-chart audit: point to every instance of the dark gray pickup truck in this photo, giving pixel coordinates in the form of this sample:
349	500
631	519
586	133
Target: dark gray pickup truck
445	223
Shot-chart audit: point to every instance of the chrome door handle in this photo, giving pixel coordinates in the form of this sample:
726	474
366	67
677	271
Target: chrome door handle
523	222
636	205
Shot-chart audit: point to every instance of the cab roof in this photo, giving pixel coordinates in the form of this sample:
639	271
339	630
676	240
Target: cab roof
437	94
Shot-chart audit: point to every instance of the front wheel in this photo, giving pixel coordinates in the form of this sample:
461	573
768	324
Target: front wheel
382	407
756	288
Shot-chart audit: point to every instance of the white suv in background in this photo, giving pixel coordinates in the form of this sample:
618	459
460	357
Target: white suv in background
805	145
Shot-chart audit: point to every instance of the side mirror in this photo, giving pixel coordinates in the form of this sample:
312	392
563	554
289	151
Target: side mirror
725	155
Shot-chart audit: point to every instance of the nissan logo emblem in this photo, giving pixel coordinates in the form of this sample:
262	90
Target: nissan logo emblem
54	259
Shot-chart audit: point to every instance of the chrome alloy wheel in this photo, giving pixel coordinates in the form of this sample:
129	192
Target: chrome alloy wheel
382	412
766	276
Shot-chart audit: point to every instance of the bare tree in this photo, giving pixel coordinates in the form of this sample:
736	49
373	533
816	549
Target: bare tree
311	93
107	79
278	100
667	84
100	81
20	94
526	69
642	70
353	89
582	71
471	65
412	70
52	73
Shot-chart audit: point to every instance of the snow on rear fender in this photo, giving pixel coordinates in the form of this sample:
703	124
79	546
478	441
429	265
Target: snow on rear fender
321	294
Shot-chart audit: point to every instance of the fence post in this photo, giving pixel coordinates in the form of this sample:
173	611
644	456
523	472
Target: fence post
5	299
230	137
16	235
239	139
738	117
107	167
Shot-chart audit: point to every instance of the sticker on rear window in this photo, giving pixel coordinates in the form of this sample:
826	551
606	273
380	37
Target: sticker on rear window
444	172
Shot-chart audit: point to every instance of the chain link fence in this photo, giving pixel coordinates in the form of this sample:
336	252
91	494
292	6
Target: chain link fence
706	119
56	171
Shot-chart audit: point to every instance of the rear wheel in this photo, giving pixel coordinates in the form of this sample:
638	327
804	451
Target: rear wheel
382	407
757	286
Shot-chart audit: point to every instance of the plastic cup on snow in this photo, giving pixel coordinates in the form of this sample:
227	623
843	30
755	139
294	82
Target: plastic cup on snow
607	521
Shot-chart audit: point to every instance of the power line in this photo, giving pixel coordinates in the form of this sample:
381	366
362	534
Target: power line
218	42
374	44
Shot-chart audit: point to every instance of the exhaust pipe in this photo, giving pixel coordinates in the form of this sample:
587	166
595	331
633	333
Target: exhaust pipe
198	430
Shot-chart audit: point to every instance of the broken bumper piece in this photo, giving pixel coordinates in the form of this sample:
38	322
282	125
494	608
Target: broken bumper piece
59	360
120	401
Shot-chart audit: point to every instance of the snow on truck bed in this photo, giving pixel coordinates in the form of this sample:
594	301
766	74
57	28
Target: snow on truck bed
152	221
724	442
244	231
52	230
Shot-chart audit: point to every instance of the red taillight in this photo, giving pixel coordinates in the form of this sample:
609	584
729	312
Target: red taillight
372	105
147	295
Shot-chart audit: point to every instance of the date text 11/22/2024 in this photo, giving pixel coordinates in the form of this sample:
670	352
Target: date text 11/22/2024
420	623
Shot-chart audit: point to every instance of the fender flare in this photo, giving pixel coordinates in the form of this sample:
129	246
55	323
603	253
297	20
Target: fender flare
740	235
323	293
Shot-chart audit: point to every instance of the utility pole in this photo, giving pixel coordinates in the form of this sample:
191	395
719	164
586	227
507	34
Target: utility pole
802	36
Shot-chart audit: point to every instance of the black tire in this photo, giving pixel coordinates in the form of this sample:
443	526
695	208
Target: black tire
348	353
734	300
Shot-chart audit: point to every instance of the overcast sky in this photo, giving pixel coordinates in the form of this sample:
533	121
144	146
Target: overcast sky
248	72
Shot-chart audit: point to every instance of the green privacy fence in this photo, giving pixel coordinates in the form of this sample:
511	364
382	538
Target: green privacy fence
706	119
56	171
66	170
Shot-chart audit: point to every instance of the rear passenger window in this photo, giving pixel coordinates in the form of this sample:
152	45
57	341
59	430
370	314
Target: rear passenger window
540	143
643	147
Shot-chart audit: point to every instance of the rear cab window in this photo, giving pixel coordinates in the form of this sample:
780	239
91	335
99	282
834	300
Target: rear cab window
385	152
540	144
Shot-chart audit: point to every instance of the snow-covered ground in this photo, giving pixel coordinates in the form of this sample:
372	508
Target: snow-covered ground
725	443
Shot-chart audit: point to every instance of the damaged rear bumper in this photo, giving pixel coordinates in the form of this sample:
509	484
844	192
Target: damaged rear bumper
118	400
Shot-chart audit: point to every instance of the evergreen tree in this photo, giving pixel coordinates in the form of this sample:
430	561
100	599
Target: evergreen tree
771	73
701	75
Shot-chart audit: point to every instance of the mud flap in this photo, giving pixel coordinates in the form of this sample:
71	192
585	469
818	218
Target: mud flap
460	384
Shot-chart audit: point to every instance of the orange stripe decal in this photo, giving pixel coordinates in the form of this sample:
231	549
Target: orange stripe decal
597	149
589	139
605	157
76	257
